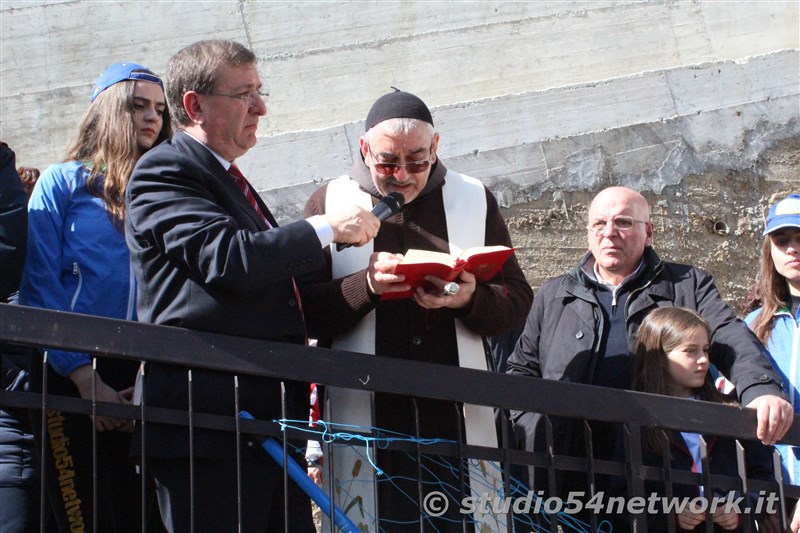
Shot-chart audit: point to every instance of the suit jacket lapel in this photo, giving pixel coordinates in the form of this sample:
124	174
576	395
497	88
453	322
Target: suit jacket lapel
207	160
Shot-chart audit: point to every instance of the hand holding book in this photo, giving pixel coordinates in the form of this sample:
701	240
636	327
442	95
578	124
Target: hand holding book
482	262
382	281
381	278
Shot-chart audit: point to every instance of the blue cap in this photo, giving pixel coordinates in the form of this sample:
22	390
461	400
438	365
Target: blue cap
123	71
784	214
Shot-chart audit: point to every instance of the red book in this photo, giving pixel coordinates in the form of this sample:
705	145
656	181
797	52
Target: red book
482	261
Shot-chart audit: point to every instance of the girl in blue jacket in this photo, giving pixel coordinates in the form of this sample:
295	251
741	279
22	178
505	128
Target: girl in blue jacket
776	322
671	358
78	261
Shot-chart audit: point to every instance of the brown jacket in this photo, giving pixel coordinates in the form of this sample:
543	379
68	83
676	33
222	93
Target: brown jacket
403	329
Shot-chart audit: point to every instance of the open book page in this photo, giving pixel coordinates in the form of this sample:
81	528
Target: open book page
423	257
483	261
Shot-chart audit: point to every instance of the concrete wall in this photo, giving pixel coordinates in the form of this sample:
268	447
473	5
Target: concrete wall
544	101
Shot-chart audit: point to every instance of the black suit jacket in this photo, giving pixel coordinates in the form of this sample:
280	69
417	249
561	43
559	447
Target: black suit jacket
204	260
13	224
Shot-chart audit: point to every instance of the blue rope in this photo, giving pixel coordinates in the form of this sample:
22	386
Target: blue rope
329	432
329	435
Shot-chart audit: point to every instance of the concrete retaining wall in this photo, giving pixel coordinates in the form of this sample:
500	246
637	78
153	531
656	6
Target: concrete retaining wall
543	101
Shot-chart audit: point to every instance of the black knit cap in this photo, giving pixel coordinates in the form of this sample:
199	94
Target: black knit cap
398	104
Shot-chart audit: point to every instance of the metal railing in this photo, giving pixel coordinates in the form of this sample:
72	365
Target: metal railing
241	356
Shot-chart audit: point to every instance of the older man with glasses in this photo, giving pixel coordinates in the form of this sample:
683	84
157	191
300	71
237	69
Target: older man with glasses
444	211
583	324
208	255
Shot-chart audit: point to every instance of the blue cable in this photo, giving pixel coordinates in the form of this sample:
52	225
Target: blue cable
300	476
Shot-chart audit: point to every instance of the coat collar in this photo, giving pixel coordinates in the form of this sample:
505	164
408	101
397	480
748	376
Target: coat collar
578	284
198	151
711	442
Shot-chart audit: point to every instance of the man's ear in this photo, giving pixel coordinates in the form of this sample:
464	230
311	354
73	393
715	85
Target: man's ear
434	146
649	229
191	103
362	142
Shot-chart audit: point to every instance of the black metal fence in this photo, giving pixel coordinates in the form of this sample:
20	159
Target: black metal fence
239	356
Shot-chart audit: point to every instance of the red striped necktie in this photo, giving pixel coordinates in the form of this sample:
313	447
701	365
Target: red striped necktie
244	186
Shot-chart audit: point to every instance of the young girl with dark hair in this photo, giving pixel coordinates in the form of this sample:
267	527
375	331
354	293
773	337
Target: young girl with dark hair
78	261
776	321
672	359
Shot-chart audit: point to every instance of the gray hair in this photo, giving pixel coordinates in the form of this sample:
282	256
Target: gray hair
196	68
396	126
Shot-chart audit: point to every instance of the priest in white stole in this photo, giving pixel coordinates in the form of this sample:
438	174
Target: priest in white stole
447	212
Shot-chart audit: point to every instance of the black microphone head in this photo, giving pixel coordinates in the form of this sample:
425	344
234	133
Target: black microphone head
395	201
388	206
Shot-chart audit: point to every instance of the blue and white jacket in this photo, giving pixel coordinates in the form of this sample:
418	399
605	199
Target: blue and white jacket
77	259
784	350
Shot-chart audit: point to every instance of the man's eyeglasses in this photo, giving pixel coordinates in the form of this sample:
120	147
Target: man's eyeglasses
620	223
412	167
251	98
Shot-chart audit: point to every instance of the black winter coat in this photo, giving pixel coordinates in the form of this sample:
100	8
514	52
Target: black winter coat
17	455
562	335
722	461
13	224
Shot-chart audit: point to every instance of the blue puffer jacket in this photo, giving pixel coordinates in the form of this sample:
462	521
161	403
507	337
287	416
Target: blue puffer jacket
77	259
784	351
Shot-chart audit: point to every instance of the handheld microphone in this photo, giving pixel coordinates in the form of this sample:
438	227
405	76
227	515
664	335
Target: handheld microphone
388	206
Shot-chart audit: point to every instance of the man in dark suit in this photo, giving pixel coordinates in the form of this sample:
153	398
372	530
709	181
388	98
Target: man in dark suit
208	255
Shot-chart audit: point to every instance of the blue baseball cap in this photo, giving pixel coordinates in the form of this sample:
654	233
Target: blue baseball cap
123	71
784	214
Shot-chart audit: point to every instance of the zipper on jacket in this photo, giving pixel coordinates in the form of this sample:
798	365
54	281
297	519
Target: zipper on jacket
76	271
598	318
656	272
790	456
794	359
